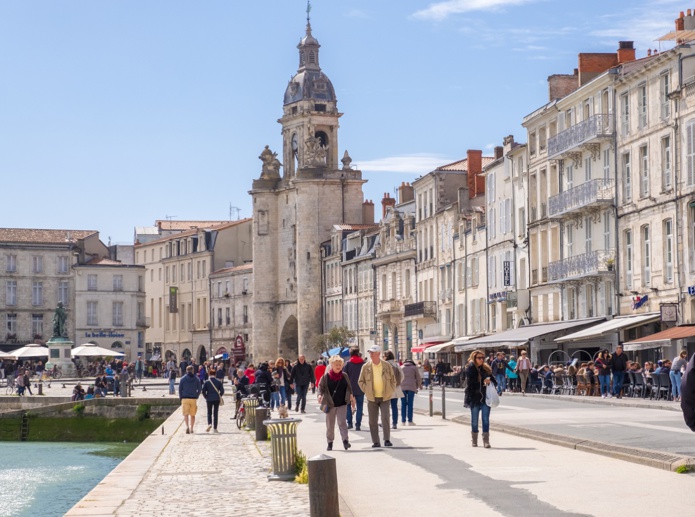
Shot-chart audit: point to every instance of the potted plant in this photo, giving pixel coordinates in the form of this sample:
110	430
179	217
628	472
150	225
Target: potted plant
610	263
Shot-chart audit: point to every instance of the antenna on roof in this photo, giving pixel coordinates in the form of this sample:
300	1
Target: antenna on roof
169	218
238	211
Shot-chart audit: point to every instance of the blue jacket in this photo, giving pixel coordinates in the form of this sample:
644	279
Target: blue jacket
189	387
209	391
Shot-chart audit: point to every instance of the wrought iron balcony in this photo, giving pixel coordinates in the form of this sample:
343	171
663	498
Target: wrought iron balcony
590	194
595	263
586	131
421	309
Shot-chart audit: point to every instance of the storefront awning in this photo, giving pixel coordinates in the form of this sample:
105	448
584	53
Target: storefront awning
662	338
520	336
615	325
443	347
421	348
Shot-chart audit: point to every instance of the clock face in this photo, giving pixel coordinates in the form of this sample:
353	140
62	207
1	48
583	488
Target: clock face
295	144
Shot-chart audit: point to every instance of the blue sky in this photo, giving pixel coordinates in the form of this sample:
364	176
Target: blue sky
115	113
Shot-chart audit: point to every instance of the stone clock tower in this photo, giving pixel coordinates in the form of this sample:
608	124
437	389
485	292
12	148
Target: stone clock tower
296	202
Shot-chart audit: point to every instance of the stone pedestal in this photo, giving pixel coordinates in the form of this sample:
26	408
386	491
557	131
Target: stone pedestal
59	350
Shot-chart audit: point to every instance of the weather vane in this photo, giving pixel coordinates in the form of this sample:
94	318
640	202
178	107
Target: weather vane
308	10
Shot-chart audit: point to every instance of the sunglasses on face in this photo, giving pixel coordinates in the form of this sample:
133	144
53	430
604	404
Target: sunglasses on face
479	357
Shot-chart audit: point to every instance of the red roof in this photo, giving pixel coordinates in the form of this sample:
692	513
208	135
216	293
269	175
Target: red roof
39	236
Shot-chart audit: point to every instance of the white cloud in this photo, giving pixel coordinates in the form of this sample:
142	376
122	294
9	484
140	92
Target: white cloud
408	164
357	13
441	10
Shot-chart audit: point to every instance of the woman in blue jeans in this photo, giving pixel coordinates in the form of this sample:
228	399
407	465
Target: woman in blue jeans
398	393
478	377
677	367
412	380
604	372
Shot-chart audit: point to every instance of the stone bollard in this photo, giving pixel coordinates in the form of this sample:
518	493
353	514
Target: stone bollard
261	429
250	405
40	388
323	487
443	402
283	446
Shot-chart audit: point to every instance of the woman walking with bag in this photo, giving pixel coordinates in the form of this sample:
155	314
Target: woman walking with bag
524	368
213	391
478	377
335	393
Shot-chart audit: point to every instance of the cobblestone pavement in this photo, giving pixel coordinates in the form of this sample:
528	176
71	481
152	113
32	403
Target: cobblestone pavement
198	474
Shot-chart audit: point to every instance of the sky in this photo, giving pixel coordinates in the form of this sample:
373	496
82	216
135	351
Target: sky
116	113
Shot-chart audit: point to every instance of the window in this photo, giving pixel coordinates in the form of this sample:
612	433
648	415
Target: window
587	234
37	325
92	318
646	257
173	274
63	292
12	324
219	316
624	114
62	264
407	283
629	257
246	314
668	250
690	152
627	178
569	236
607	164
228	316
91	282
663	95
642	106
166	275
117	314
11	263
587	168
117	282
37	264
11	292
607	244
666	163
37	293
643	171
569	177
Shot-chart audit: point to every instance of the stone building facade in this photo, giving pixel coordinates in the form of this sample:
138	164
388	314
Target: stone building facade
36	272
232	311
294	212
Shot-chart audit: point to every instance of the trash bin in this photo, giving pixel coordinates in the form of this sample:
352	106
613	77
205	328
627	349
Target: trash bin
283	446
261	429
250	405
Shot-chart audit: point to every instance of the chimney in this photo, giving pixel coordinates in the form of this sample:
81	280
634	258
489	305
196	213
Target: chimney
406	192
476	183
561	85
680	22
386	202
499	152
368	212
626	51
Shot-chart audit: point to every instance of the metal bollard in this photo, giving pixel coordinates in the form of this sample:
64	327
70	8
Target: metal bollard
283	446
443	402
40	388
323	487
261	429
431	400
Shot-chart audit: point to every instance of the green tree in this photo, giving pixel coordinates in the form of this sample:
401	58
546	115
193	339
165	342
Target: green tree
337	336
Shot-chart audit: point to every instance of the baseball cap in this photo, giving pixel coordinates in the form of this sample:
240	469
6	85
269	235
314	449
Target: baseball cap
374	348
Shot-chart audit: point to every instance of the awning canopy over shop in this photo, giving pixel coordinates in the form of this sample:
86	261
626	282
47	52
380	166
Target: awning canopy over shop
615	325
425	346
659	339
517	337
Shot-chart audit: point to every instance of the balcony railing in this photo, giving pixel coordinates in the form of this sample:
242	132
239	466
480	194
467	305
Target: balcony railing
142	322
389	307
589	264
423	309
596	126
582	196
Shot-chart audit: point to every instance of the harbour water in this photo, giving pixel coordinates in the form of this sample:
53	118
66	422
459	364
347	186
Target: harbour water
48	479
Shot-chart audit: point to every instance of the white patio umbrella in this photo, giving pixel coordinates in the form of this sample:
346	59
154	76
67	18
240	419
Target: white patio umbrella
3	355
92	350
31	350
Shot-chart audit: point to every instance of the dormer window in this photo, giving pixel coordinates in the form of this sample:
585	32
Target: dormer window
320	86
320	107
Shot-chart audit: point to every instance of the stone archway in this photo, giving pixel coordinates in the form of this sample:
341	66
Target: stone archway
202	354
288	346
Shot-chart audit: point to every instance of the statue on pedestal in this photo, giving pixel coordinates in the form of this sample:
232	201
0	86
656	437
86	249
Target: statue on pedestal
271	164
60	328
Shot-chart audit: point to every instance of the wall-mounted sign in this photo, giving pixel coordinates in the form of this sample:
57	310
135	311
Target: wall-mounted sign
507	269
173	295
691	290
497	297
638	301
669	312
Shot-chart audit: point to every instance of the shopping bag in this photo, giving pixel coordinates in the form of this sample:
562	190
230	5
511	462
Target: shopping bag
492	398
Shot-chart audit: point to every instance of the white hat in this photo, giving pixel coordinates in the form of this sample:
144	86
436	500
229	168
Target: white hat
374	348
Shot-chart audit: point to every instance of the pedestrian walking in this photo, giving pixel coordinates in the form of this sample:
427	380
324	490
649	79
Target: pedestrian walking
139	368
410	384
618	363
398	392
335	394
478	378
212	390
302	379
512	374
353	368
283	377
499	367
677	369
602	364
27	382
189	391
523	366
378	383
319	370
172	381
426	373
688	394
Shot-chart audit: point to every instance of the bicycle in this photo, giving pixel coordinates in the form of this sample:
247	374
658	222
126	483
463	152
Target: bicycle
11	388
241	417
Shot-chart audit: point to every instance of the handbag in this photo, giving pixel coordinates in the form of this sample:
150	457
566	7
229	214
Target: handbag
218	393
325	408
492	398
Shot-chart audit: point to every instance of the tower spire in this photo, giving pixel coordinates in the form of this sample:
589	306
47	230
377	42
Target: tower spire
308	15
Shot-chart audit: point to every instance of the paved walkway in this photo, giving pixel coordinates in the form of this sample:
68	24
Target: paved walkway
180	474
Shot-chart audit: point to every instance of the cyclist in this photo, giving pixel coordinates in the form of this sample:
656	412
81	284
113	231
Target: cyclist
264	381
241	382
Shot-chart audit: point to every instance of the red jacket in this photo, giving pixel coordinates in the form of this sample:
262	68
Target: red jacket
319	371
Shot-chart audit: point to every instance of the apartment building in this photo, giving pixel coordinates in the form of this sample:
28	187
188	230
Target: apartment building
232	311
